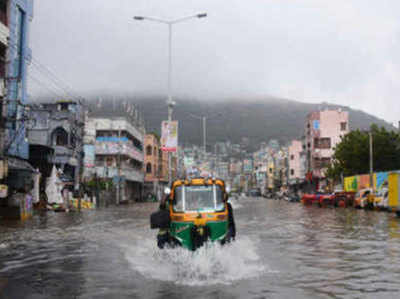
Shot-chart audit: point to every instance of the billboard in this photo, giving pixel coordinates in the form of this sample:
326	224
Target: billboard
89	155
169	136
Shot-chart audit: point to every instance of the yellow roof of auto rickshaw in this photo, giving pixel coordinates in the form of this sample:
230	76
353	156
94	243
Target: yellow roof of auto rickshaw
197	182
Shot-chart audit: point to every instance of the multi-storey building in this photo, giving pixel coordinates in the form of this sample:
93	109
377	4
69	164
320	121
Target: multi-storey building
295	162
16	148
4	35
323	130
113	146
16	174
56	139
155	166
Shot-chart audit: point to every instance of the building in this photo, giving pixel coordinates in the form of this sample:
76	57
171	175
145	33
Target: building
20	13
57	138
4	35
113	146
155	166
323	130
15	55
295	168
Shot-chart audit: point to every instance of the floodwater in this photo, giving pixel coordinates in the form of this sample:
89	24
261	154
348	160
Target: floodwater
283	250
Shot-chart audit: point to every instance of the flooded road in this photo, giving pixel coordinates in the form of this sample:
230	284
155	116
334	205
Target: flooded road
283	250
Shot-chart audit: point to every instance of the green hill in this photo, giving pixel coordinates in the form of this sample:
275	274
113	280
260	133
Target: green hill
259	120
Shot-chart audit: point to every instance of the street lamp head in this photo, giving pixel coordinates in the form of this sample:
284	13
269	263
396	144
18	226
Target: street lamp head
138	18
202	15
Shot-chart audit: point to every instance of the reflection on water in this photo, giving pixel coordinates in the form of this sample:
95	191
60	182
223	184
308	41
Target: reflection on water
283	250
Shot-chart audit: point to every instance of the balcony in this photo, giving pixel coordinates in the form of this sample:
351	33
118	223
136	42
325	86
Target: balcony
123	147
130	174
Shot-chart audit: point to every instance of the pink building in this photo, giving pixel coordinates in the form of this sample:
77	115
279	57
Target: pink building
296	171
323	130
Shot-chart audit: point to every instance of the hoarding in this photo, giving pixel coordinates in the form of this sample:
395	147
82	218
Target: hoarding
169	136
89	155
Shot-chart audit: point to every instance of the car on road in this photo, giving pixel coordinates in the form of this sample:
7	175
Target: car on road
381	199
254	193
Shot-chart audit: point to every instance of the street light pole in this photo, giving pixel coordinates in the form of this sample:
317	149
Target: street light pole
204	135
371	162
170	102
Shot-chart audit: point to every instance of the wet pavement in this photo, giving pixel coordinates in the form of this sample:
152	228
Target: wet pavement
283	250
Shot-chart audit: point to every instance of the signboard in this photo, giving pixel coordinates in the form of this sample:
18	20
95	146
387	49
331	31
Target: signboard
89	155
169	136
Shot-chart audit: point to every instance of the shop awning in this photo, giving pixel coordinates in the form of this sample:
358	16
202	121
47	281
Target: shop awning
19	164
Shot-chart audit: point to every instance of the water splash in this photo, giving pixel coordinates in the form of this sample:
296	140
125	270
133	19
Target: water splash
235	204
209	265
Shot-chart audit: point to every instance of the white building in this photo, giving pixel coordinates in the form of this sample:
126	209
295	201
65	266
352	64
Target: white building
114	152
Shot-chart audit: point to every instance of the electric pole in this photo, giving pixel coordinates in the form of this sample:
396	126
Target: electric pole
371	163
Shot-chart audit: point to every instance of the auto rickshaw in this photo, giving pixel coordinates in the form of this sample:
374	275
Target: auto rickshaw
361	199
195	211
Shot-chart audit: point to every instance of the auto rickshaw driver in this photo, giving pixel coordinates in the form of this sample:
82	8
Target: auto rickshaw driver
163	233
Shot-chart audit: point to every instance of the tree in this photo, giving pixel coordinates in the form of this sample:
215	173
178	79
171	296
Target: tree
351	155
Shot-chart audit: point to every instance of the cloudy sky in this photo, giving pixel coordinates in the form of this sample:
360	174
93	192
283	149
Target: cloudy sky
343	51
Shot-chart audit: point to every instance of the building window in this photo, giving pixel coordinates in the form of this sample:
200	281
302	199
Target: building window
322	162
99	160
291	171
148	168
59	137
3	50
343	126
64	106
155	151
110	162
3	12
159	170
291	157
322	143
148	150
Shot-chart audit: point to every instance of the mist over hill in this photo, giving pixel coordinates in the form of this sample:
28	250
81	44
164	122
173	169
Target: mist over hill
257	119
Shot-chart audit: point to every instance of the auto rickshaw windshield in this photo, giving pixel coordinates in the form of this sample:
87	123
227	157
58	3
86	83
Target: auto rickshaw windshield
200	198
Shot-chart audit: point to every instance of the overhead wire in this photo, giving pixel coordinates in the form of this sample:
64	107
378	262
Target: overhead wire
58	83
